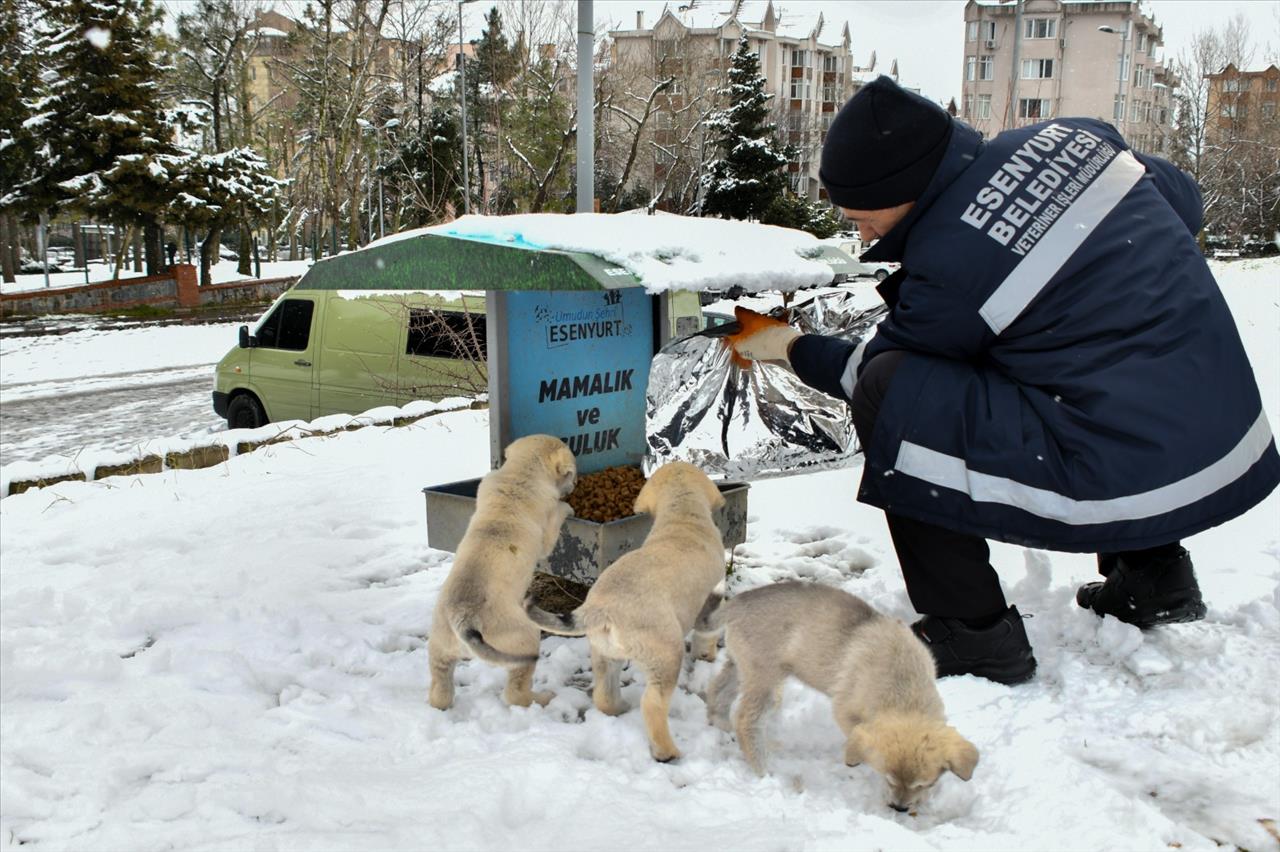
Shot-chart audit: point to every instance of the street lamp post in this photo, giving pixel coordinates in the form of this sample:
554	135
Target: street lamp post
1122	71
462	95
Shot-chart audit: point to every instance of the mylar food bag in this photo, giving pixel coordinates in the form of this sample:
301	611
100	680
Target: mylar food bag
752	424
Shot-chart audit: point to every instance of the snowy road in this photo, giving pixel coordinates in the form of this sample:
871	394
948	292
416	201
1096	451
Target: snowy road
173	402
106	388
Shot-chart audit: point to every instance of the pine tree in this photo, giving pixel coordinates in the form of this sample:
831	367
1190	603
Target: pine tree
214	192
792	211
103	148
426	171
748	175
17	143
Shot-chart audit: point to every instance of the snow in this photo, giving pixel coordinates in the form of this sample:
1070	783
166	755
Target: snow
663	252
234	658
98	37
223	271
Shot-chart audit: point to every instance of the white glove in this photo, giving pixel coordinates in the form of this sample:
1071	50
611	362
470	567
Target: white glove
762	338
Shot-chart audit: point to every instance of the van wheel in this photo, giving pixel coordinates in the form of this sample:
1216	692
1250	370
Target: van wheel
881	275
245	412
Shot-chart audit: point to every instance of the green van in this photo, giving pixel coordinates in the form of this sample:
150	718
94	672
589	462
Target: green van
318	352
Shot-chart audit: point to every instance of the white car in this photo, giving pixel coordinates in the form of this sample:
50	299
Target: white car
853	247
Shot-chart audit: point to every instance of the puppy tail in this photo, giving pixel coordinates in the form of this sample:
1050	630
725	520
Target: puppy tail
482	649
561	625
711	618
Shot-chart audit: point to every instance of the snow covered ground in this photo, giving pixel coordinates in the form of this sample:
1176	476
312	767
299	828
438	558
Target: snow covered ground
222	271
234	658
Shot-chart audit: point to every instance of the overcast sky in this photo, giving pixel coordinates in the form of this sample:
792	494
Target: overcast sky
927	36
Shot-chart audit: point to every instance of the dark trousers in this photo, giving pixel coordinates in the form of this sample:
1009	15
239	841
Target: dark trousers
947	573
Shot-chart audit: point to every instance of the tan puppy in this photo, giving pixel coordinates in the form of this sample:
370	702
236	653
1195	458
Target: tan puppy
645	603
480	611
879	676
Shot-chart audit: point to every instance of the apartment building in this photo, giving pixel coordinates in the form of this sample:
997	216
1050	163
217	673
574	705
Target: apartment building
1242	104
806	61
1032	60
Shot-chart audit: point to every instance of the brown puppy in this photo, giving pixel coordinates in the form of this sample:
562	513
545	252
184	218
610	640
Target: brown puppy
645	603
879	676
480	611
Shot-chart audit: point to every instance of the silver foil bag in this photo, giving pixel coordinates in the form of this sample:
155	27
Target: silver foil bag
758	423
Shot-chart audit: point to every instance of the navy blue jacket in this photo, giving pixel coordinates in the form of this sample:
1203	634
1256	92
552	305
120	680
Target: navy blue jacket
1077	381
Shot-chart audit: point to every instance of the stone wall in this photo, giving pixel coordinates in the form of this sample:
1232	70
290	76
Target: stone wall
176	289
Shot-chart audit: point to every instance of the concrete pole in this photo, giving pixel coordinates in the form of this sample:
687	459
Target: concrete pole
1017	70
586	108
462	93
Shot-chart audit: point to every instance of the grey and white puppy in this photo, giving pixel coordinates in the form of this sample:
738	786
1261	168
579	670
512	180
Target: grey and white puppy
880	678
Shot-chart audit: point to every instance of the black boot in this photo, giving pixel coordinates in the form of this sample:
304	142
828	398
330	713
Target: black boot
999	652
1145	588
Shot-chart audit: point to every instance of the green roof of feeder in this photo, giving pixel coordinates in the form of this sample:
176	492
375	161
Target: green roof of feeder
441	262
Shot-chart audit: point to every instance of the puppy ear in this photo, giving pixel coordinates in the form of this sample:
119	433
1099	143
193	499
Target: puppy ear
962	755
645	500
566	470
714	498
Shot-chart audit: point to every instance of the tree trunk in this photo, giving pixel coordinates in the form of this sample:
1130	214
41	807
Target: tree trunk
8	270
123	253
207	249
137	250
243	266
77	241
153	243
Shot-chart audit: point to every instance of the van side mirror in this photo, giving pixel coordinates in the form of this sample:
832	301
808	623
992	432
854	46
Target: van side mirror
247	340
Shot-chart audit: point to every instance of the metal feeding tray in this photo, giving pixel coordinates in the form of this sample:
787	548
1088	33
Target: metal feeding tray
585	547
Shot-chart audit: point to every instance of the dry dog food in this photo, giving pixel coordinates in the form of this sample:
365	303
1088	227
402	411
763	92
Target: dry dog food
606	495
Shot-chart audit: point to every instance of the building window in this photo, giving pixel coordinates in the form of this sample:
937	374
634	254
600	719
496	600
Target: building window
1270	84
1142	42
1037	69
831	63
986	68
830	92
799	89
971	31
987	30
984	107
676	87
1139	76
1034	108
1235	84
1040	28
1117	111
1135	109
1268	109
967	110
1122	70
800	58
971	68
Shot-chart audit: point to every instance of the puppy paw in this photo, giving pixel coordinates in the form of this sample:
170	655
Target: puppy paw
616	709
665	755
543	698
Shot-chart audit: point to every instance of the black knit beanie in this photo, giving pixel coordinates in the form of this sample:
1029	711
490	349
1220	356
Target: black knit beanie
883	147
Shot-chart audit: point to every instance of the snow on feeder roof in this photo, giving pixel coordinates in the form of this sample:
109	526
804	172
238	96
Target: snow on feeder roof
585	251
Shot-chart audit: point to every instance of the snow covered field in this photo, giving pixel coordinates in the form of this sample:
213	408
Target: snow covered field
234	658
222	271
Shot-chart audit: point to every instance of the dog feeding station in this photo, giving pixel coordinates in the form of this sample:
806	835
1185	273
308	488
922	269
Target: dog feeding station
576	306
